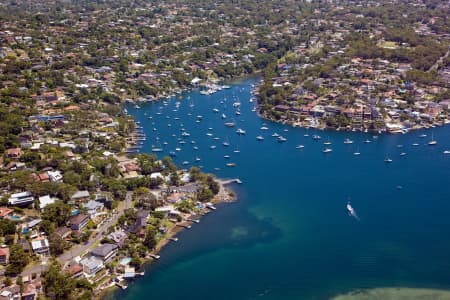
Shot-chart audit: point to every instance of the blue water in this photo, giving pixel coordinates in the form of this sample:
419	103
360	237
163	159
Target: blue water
289	235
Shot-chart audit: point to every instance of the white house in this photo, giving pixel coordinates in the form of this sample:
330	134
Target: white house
40	246
23	198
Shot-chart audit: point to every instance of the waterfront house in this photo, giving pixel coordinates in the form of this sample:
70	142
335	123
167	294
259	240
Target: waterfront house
91	265
106	252
4	255
40	246
79	222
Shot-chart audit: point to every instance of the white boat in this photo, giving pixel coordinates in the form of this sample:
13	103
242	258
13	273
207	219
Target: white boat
446	152
156	149
240	131
351	211
423	135
185	162
275	135
260	138
215	110
327	143
299	147
195	148
231	165
367	141
197	159
403	154
316	137
230	124
213	147
432	142
356	153
415	144
264	128
327	150
281	139
226	156
348	141
224	116
226	144
387	160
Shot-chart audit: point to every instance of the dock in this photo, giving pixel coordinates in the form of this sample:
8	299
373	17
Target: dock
229	181
187	226
193	220
155	256
174	239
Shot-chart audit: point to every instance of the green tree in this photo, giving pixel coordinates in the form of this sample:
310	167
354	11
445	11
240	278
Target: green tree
17	261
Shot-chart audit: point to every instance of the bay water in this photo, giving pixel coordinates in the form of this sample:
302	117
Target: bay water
289	235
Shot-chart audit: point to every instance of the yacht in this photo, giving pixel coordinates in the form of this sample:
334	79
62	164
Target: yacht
231	165
226	144
177	149
281	139
264	128
172	153
446	152
423	135
197	159
327	143
185	162
300	147
230	124
356	153
387	160
226	156
240	131
403	154
157	149
224	116
367	141
415	144
327	150
316	137
275	135
260	138
195	148
213	147
215	110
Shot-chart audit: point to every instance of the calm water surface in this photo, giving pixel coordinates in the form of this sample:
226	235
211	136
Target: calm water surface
289	236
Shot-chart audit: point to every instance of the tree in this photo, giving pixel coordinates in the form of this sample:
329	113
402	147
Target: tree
56	284
57	244
57	212
17	261
150	240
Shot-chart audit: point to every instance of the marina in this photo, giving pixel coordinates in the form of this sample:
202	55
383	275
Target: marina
293	203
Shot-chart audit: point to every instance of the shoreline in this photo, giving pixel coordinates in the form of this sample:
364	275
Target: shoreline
225	195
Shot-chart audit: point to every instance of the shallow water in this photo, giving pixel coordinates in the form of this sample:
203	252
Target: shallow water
289	235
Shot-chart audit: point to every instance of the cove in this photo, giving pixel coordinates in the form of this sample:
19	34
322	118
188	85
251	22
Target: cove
289	235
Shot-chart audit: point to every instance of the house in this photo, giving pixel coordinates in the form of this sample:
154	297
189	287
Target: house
40	246
106	252
93	207
80	196
14	152
10	293
118	237
63	232
55	176
4	256
45	200
91	265
74	269
79	222
4	212
25	245
23	198
30	292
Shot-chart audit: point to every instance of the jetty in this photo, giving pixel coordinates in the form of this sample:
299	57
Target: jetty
229	181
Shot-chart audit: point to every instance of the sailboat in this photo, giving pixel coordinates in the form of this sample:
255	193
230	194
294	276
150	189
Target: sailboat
432	142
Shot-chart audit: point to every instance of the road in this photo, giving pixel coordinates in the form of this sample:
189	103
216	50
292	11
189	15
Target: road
439	61
82	248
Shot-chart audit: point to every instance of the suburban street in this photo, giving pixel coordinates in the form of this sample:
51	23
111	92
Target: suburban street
77	250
